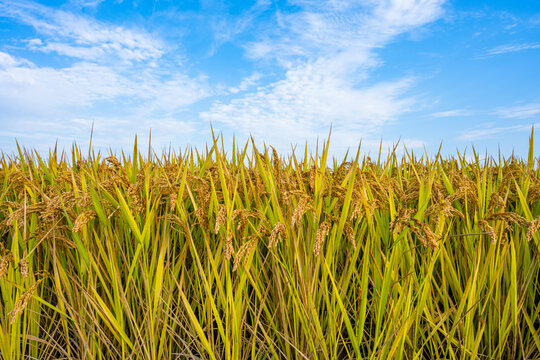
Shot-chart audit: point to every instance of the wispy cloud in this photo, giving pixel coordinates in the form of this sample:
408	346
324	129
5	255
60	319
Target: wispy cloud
509	48
327	51
489	132
534	20
226	27
87	3
301	106
519	112
246	83
451	113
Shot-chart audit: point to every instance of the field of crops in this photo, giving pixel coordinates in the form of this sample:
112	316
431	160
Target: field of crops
242	254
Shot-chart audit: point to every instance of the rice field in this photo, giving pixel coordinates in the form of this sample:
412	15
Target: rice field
242	254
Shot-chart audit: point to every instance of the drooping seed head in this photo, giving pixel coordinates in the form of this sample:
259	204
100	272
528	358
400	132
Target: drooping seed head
244	251
172	201
22	302
299	211
23	267
221	217
322	232
83	219
533	227
5	259
277	234
349	233
229	250
484	225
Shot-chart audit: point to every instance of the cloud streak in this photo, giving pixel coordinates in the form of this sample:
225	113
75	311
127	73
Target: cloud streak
489	132
519	112
451	113
509	48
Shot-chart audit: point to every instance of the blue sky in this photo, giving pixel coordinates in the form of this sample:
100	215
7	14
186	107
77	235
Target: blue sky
464	73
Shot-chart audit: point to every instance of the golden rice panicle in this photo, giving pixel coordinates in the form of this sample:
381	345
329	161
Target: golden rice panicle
23	301
450	211
349	233
509	218
276	161
402	217
277	234
300	210
239	218
172	200
221	217
244	251
137	203
23	268
201	216
229	250
312	177
357	210
484	225
114	162
5	259
496	200
533	227
84	200
322	232
424	233
83	219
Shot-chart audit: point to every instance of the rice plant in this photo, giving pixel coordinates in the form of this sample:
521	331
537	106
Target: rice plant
249	255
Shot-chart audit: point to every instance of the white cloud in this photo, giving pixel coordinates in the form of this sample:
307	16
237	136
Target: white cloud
91	85
82	37
519	112
305	104
451	113
326	28
246	83
327	51
168	95
49	103
32	90
7	61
